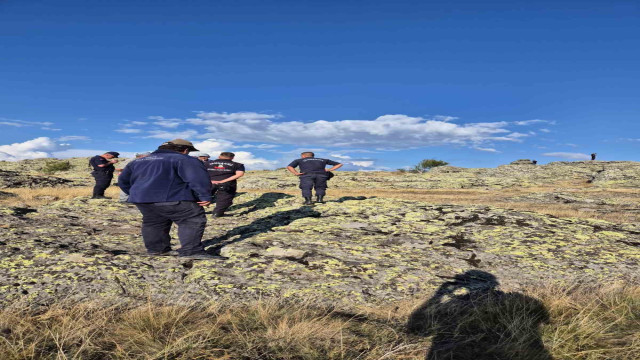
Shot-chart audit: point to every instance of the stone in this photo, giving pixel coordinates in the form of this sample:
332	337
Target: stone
285	253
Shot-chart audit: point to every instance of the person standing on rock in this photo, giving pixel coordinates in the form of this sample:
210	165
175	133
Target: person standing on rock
103	172
121	165
224	173
313	174
593	156
169	186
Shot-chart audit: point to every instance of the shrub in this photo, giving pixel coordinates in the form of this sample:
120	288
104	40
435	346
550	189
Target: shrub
428	164
53	166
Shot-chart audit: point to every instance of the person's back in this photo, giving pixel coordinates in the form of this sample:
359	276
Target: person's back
166	175
169	187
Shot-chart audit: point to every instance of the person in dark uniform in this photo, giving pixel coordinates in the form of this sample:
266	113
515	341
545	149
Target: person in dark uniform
593	156
313	174
169	186
103	172
223	173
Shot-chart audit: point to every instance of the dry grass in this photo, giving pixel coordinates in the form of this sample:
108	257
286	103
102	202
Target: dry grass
41	196
585	323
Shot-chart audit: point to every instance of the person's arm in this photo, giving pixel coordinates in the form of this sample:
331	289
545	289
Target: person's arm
294	171
336	165
106	162
193	172
238	175
292	168
124	180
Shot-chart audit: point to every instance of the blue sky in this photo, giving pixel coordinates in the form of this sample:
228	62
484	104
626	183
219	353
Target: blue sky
377	84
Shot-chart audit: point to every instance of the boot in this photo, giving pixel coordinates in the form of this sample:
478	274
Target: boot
320	199
307	200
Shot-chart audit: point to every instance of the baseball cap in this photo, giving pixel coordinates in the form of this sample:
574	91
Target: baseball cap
115	154
199	154
181	142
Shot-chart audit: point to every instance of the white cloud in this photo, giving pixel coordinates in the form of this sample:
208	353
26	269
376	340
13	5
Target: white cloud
138	123
491	150
50	128
248	116
367	163
74	138
23	123
445	118
164	122
536	121
568	155
87	152
214	147
129	131
340	156
259	146
41	147
388	131
544	130
170	135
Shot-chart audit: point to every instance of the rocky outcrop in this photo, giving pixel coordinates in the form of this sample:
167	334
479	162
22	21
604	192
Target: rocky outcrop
522	162
14	179
520	173
612	174
349	249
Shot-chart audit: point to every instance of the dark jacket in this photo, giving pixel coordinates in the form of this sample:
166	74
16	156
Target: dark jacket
164	176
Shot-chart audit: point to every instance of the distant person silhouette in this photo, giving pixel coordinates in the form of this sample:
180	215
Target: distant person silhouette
471	319
534	162
593	156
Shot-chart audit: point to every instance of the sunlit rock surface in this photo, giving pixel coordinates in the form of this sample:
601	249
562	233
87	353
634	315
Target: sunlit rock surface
349	249
605	174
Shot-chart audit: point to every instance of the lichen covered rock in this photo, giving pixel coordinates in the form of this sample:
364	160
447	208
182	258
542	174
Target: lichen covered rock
350	249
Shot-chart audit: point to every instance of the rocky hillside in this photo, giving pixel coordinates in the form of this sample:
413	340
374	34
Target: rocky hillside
364	250
605	174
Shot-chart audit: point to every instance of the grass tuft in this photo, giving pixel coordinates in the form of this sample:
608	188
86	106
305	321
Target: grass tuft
590	323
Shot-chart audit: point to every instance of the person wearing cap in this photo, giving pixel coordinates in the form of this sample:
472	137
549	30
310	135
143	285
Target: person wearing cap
169	186
103	172
204	157
224	173
313	174
121	165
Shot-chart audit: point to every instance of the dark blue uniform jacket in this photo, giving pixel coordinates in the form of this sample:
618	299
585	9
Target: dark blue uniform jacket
165	176
312	165
99	160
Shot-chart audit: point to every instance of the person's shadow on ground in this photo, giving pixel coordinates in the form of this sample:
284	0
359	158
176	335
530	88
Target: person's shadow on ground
259	226
470	318
265	200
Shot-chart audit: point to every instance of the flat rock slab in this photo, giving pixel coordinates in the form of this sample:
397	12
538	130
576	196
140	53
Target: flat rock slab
364	250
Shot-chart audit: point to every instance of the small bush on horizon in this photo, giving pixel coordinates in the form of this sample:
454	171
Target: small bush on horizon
428	164
53	166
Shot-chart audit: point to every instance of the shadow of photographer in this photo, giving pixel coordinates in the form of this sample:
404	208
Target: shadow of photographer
470	318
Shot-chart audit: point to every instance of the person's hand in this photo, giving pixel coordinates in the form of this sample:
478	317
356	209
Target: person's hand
298	174
204	203
113	161
215	182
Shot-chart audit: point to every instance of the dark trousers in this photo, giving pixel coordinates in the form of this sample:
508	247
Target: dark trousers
224	194
103	180
311	181
156	224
